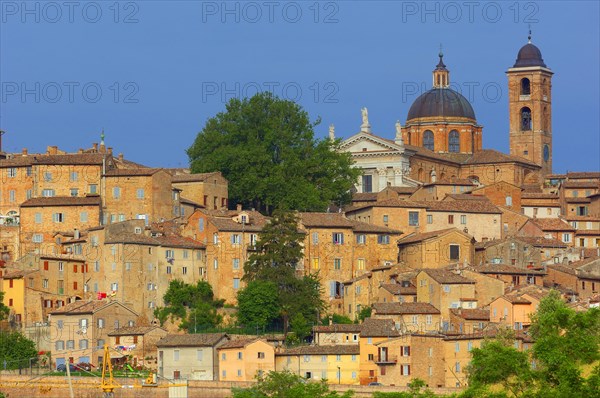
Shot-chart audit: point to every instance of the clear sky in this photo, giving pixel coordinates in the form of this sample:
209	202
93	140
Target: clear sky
152	72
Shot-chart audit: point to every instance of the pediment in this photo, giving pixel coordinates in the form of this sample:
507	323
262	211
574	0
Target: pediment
366	142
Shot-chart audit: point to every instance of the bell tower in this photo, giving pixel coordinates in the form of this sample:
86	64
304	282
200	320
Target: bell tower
530	107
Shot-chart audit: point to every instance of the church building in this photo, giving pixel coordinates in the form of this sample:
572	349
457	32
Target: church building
442	140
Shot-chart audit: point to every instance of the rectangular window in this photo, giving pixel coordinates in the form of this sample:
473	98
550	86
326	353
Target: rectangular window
216	263
70	344
429	319
405	351
315	263
201	224
186	254
360	264
508	201
235	239
236	263
566	238
60	345
457	367
315	238
140	193
413	218
38	238
11	195
83	216
168	269
361	239
446	288
73	176
429	219
175	355
199	355
383	239
184	270
116	192
93	188
12	172
338	238
47	176
450	219
385	218
463	219
367	183
236	283
337	263
28	194
74	191
48	193
405	370
38	218
454	252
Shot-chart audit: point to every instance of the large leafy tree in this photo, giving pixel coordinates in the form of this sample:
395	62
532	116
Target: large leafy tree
16	350
288	385
279	250
266	148
258	304
4	310
194	305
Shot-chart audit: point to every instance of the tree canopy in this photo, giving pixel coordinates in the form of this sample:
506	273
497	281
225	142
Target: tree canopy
266	148
4	310
16	350
193	304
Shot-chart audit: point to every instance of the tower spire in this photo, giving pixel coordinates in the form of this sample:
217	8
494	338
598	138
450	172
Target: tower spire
441	75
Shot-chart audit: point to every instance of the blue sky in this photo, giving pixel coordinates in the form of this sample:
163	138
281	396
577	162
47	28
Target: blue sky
152	72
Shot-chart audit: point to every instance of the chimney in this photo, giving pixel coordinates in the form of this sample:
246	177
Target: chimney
80	150
24	151
109	150
95	146
52	150
239	207
121	156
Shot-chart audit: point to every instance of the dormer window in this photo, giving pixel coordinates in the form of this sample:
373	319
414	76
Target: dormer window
138	230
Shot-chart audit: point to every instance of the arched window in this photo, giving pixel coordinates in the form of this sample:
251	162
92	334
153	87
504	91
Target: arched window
453	142
525	119
525	86
428	140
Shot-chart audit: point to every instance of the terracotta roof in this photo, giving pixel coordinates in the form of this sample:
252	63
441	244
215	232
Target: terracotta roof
84	307
179	241
471	314
540	241
358	226
192	340
587	232
419	237
463	206
325	220
578	200
350	349
580	184
256	224
62	159
446	277
372	327
403	190
132	238
185	201
582	218
168	240
398	289
402	203
134	330
18	274
364	197
142	172
404	308
62	201
484	156
238	343
584	174
466	196
515	299
537	203
196	177
506	269
562	268
338	328
552	224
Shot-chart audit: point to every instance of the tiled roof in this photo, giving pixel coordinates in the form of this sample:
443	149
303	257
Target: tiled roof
447	277
419	237
256	224
580	184
185	201
372	327
562	268
584	174
465	196
404	190
134	330
463	206
62	201
471	314
402	203
483	156
238	343
132	238
540	241
62	159
404	308
578	200
325	220
168	240
364	197
82	307
191	340
587	232
18	274
132	172
538	195
506	269
516	299
358	226
350	349
398	289
582	218
552	224
338	328
196	177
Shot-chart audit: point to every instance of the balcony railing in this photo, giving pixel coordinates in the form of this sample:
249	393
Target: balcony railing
386	360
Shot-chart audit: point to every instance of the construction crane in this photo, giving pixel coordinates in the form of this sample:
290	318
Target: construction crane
108	383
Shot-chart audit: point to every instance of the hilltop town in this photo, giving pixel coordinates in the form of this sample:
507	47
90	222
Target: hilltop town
443	244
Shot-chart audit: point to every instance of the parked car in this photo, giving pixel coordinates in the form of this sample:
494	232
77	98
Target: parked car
375	383
63	368
84	366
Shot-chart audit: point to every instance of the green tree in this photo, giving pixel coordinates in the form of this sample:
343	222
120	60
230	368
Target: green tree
4	310
364	313
258	304
194	305
288	385
279	250
16	350
265	147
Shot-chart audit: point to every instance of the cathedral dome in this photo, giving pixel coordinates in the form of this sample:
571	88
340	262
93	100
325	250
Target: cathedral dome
529	55
441	102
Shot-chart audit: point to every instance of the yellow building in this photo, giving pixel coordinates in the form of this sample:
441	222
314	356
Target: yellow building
245	359
373	331
336	364
409	317
436	249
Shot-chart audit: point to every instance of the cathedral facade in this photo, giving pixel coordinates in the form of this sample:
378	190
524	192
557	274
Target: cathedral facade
441	138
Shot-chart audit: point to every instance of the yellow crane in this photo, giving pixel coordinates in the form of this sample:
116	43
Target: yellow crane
108	383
